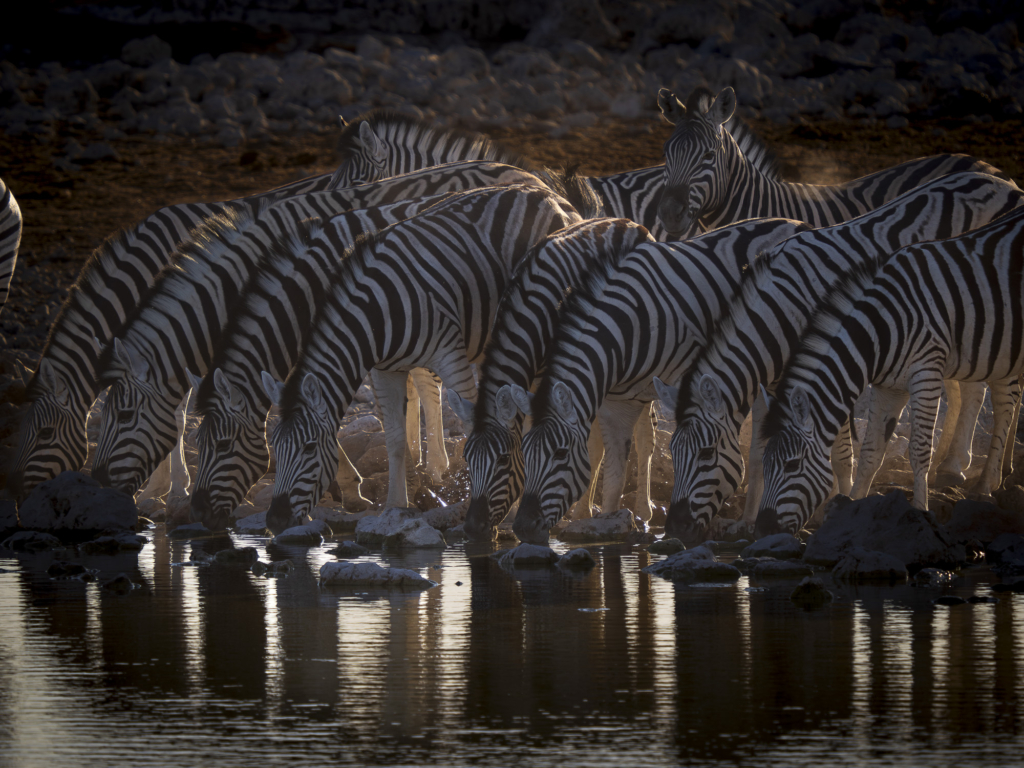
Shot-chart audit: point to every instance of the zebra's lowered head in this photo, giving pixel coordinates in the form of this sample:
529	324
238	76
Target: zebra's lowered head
52	436
797	469
555	459
696	165
494	454
233	453
306	450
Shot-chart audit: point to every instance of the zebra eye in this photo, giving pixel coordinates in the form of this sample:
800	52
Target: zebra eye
125	416
561	454
503	460
709	155
706	454
46	433
791	466
223	446
309	448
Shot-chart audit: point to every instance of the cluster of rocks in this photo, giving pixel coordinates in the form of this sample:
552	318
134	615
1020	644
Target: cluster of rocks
789	62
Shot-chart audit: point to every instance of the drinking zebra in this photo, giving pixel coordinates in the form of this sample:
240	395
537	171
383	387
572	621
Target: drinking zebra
10	238
755	337
421	293
946	309
716	175
177	326
645	315
122	270
524	326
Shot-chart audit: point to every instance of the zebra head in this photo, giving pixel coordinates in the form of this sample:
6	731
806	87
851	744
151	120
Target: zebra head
494	454
797	470
696	164
137	426
556	464
306	448
233	453
367	157
52	438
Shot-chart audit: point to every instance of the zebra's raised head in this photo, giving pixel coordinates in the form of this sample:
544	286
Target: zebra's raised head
555	457
233	453
52	436
494	454
385	143
305	447
797	469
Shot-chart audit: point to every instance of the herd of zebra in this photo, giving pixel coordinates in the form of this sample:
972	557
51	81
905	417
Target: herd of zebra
436	257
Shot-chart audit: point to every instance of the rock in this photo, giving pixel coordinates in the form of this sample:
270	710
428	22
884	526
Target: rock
697	564
666	547
190	531
781	569
526	556
781	546
863	565
253	524
372	530
100	150
143	52
415	533
444	518
810	594
73	501
453	535
949	600
111	545
8	516
367	574
981	521
573	20
340	520
1005	548
237	558
349	549
882	523
31	541
65	570
274	569
609	526
119	585
576	560
308	535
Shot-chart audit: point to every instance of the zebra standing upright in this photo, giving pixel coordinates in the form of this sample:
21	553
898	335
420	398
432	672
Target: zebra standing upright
946	309
716	175
644	315
754	338
10	238
524	326
421	293
176	327
52	437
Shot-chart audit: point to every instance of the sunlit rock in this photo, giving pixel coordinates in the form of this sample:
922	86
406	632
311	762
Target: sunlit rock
697	564
781	546
666	547
577	560
444	518
608	526
237	558
349	549
367	574
373	529
310	534
526	556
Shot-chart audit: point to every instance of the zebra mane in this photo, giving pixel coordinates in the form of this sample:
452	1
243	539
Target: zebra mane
204	247
753	148
570	184
390	125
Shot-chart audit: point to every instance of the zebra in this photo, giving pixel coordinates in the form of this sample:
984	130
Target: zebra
420	293
63	387
934	310
716	175
10	239
384	143
176	327
265	333
645	315
753	340
524	325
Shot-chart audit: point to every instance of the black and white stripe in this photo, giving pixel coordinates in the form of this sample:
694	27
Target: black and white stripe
949	309
645	315
10	239
755	337
524	327
421	293
716	175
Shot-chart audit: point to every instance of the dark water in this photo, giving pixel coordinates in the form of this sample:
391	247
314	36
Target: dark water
213	666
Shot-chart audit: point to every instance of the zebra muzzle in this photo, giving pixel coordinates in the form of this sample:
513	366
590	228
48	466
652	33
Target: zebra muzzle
681	524
280	514
529	523
767	523
478	520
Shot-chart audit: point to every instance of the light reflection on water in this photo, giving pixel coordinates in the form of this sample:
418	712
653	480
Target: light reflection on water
210	665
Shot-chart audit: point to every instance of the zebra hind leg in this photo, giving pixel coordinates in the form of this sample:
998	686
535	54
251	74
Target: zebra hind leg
1005	398
428	387
583	509
953	454
644	436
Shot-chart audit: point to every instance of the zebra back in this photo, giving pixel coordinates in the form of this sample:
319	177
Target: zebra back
10	239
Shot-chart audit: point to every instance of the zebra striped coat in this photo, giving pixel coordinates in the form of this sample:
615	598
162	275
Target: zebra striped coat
122	270
421	293
524	327
946	309
177	326
265	332
770	310
715	175
10	239
645	315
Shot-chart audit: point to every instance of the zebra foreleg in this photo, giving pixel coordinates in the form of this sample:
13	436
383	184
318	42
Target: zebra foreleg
1011	437
583	508
884	411
755	461
180	480
842	460
412	419
644	435
1005	399
925	391
429	387
954	453
617	419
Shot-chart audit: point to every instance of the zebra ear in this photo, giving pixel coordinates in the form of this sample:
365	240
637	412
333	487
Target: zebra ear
313	394
343	121
463	408
51	383
272	387
723	107
505	407
561	398
371	143
131	361
193	381
229	392
711	393
672	109
768	399
24	372
800	406
666	393
522	399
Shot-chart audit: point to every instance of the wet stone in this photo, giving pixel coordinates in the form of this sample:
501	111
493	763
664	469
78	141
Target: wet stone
73	501
811	594
697	564
527	556
349	549
190	531
32	541
65	570
253	524
119	585
237	558
781	546
949	600
667	547
372	530
577	560
1005	548
863	565
367	574
308	535
111	545
781	569
609	526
